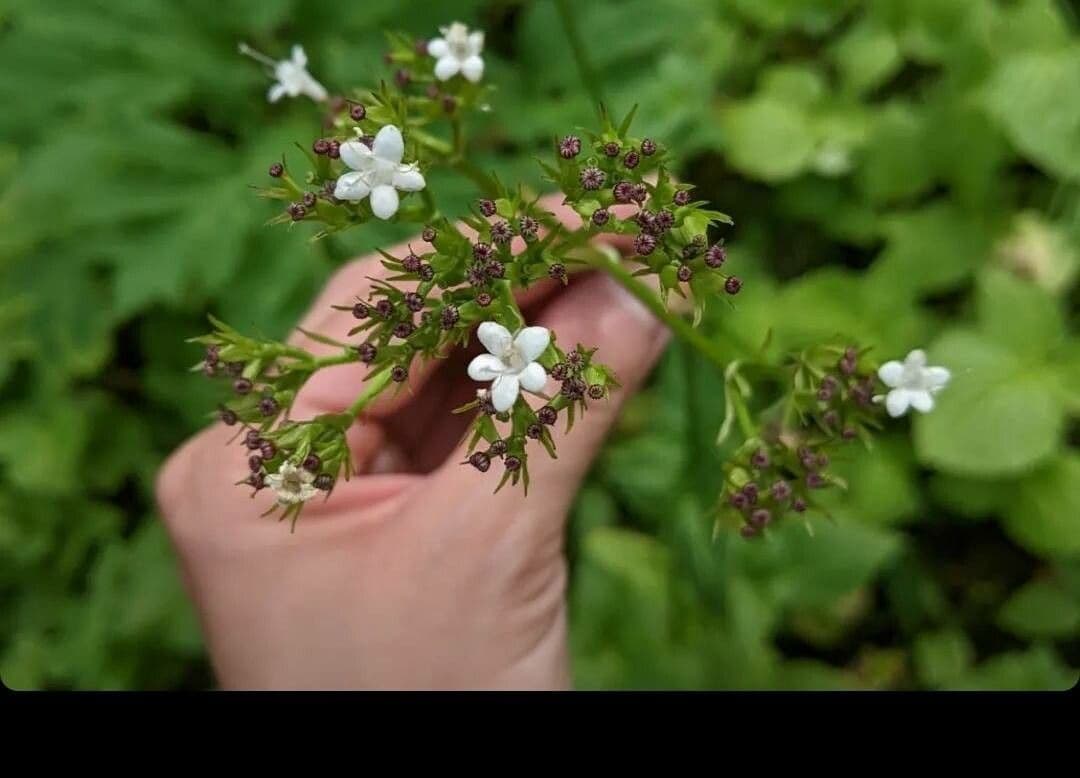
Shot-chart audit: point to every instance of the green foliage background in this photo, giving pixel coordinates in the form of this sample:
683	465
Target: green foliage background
904	171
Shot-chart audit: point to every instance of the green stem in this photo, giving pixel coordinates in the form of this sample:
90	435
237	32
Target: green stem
652	301
372	388
577	47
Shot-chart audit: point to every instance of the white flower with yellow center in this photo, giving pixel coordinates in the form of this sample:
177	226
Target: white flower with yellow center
458	51
510	363
911	384
292	484
378	172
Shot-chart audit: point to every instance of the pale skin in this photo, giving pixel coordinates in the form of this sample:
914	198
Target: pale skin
413	575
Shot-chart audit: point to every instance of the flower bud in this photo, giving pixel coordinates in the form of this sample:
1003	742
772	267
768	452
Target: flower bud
360	311
497	448
760	517
402	78
267	449
639	193
749	531
256	480
648	147
429	234
482	251
815	481
600	217
715	256
780	491
760	459
570	147
398	374
547	415
534	431
751	492
592	178
480	461
449	317
296	211
384	308
644	244
277	170
403	329
321	146
684	273
414	302
483	299
611	149
557	271
631	159
334	152
227	416
623	192
410	263
596	392
487	207
573	389
738	500
501	233
665	220
427	272
512	463
681	197
311	463
242	386
268	406
449	104
255	463
560	371
528	227
252	439
212	355
367	352
732	285
324	482
309	199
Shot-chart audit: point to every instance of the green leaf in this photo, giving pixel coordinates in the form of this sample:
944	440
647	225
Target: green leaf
1043	84
866	56
1018	314
998	416
767	138
1037	669
1041	609
1045	513
942	658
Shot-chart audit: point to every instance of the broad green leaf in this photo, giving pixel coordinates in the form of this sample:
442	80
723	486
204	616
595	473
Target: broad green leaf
767	138
1041	609
1045	512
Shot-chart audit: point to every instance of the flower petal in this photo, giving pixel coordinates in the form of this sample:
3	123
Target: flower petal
476	42
356	155
299	58
389	144
891	373
531	342
384	201
408	179
937	377
352	187
504	392
921	401
486	367
533	377
438	47
277	91
896	402
313	89
447	67
916	358
495	337
473	68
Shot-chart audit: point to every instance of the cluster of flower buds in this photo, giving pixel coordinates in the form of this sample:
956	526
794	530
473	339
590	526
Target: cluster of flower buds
830	400
618	185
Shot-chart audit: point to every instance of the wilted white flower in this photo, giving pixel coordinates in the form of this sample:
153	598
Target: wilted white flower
378	171
292	76
911	383
458	51
292	484
510	363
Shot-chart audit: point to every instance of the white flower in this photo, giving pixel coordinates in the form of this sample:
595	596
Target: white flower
911	383
511	364
292	484
458	51
378	171
291	75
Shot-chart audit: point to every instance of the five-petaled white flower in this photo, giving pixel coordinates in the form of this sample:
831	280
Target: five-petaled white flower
511	362
458	51
911	383
292	484
292	76
378	171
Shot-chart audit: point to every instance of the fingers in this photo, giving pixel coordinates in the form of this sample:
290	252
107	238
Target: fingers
595	311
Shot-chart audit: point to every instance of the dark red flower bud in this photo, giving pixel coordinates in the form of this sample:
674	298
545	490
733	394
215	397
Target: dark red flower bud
296	211
596	392
684	273
227	416
611	149
277	170
252	439
716	255
334	152
410	263
732	285
528	227
242	385
738	500
427	272
449	317
497	448
644	244
592	178
482	251
483	299
631	159
512	463
623	192
403	78
760	458
534	431
358	113
815	481
309	200
681	197
648	147
665	220
487	207
384	308
640	193
760	517
414	302
267	449
255	463
600	217
798	505
780	491
321	146
268	406
403	329
367	352
480	461
749	531
501	233
570	147
398	374
429	234
560	371
311	463
547	415
324	482
557	271
751	492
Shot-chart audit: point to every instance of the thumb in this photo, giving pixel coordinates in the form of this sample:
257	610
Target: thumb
594	311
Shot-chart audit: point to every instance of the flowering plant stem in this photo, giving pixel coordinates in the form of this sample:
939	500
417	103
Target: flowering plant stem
577	47
651	300
373	387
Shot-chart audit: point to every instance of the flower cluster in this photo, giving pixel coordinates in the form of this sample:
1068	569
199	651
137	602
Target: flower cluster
829	402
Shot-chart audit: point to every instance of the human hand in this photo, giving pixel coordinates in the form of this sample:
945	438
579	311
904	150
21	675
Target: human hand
412	574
